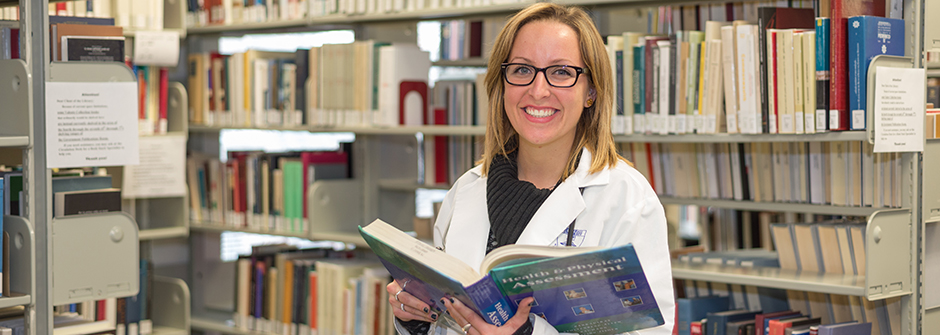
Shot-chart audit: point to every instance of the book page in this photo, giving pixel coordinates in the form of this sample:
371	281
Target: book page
91	124
899	109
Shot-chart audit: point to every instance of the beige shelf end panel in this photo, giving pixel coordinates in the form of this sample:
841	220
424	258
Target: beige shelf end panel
888	254
95	256
170	305
15	94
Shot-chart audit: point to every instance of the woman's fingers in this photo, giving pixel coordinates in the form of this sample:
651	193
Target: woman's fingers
406	306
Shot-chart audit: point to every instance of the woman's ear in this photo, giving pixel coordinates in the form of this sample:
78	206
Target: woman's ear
591	98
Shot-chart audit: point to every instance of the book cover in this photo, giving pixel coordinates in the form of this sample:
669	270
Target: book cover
65	29
87	202
577	290
694	309
841	10
869	36
718	322
760	320
92	49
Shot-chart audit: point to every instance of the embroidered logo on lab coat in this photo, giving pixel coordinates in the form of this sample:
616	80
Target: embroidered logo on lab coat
577	239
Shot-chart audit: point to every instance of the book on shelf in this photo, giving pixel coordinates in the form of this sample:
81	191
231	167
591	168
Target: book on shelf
868	36
61	30
87	202
92	48
585	290
694	309
841	11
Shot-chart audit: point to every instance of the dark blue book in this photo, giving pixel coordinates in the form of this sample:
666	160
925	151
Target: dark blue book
869	36
846	328
772	299
695	309
718	322
822	73
618	72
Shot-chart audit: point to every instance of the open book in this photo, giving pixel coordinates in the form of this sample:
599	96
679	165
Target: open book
577	290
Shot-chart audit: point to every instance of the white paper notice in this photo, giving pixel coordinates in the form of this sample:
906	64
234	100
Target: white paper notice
162	168
91	124
899	109
160	48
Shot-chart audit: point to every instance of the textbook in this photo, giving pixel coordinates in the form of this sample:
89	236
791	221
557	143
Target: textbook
578	290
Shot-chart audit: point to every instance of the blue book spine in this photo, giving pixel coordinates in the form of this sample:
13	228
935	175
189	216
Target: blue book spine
822	73
639	83
496	309
869	36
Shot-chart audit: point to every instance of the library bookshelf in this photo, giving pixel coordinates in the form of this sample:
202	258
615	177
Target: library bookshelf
384	183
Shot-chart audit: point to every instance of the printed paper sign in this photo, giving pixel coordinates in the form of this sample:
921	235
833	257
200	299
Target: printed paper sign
91	124
899	109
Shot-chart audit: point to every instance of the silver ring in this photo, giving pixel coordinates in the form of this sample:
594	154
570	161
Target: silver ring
403	307
397	293
466	328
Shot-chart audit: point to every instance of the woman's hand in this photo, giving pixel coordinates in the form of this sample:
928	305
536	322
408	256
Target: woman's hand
466	316
406	307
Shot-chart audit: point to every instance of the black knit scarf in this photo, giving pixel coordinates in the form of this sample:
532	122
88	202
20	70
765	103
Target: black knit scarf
510	202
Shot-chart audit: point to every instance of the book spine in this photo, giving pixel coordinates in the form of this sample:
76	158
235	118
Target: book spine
639	90
492	305
869	36
822	74
762	25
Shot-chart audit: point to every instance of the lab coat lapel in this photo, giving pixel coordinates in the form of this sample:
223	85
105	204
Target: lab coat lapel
555	214
470	224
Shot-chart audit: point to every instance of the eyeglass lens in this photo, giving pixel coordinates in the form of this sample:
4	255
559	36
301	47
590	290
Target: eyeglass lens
557	75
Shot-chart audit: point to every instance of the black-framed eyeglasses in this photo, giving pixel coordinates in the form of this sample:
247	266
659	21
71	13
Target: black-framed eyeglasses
562	76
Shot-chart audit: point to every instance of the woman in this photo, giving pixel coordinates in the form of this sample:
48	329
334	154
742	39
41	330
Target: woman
550	163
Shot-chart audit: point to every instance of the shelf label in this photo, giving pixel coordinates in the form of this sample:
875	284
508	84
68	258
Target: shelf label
899	109
91	124
162	168
159	48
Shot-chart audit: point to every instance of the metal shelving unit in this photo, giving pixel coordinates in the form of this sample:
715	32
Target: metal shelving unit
894	245
376	130
773	206
745	138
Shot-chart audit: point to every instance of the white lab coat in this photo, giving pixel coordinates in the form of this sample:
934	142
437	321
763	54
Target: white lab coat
618	206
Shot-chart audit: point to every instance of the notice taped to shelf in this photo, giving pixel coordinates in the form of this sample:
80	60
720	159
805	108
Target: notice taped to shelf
162	168
91	124
159	48
899	109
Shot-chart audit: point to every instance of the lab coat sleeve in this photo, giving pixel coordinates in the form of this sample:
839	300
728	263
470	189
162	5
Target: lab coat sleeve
444	216
644	225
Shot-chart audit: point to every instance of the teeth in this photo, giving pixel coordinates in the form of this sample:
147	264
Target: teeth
540	112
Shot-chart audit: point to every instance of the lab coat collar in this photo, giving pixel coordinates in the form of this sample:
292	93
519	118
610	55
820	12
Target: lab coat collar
581	177
563	205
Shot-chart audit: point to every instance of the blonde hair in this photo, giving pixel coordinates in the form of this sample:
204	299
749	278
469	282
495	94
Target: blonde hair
593	129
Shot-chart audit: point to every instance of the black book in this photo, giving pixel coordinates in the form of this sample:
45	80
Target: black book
92	49
87	202
776	18
301	58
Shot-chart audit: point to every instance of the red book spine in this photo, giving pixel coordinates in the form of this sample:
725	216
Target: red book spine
164	83
440	149
695	328
774	105
101	310
841	10
313	300
649	161
141	93
15	43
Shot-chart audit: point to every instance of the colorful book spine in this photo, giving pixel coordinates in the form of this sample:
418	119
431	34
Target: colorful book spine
822	73
639	89
838	55
869	36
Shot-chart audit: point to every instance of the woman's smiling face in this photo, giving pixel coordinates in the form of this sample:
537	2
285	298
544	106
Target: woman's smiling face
543	115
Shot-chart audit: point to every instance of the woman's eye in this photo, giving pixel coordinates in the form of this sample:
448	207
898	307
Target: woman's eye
563	72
